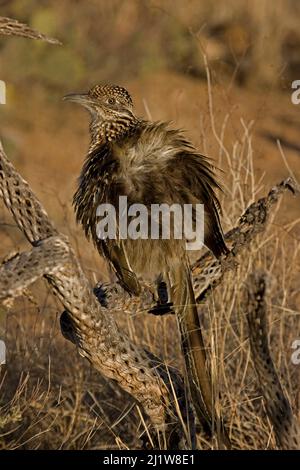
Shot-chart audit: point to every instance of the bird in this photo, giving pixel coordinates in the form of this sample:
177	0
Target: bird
150	163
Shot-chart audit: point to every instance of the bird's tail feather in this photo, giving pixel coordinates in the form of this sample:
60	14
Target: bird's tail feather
193	347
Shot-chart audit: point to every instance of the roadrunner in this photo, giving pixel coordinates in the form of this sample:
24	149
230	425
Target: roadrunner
150	163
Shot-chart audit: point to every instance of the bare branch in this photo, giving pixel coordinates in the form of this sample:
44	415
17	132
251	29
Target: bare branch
278	407
26	209
12	27
20	271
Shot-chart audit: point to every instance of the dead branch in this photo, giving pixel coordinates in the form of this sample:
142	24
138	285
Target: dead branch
208	272
11	27
278	407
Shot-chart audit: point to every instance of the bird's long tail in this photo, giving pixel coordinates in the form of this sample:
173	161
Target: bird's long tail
193	348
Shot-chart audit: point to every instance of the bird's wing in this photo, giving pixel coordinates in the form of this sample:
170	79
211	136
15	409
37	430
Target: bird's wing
114	251
94	188
198	180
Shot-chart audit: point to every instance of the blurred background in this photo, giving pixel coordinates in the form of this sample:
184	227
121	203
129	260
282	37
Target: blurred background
157	49
222	70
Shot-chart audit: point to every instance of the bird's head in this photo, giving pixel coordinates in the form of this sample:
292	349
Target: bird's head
111	110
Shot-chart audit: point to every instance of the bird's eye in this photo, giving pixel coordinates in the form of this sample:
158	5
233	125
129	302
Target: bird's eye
111	100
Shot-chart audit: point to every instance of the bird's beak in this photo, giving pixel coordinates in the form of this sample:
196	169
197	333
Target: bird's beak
81	98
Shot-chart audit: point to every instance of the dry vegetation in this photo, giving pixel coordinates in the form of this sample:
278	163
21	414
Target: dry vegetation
50	397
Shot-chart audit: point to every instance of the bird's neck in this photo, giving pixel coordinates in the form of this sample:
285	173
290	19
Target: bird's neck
114	130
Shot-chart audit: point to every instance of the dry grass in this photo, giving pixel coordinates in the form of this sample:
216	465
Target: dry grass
50	397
